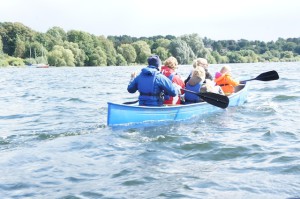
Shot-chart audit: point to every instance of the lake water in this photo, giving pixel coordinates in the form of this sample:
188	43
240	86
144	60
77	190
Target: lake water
54	141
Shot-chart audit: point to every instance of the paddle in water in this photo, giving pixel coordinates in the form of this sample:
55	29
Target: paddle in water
215	99
267	76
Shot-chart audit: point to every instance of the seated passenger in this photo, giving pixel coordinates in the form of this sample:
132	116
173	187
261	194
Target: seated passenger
225	81
194	84
169	70
211	87
151	84
200	62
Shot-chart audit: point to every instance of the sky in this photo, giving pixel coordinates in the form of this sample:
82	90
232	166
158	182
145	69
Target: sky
263	20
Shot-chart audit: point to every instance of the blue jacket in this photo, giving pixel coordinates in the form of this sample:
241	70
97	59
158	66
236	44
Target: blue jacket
190	97
152	85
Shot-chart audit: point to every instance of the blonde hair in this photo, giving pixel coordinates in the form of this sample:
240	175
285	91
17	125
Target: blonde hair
225	69
171	62
200	62
199	72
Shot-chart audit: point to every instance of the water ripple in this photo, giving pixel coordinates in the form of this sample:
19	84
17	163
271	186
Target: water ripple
54	141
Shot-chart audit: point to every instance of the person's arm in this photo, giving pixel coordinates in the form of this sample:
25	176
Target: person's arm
208	75
179	82
187	79
233	82
132	86
166	85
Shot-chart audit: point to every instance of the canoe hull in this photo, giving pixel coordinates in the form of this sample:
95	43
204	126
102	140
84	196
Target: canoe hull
120	114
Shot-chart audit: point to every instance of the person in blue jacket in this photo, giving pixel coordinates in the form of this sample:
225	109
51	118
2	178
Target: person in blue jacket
151	84
194	84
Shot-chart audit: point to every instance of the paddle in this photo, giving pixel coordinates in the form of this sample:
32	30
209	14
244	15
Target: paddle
267	76
215	99
133	102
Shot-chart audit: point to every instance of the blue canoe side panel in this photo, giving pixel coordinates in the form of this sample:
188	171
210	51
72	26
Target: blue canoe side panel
120	114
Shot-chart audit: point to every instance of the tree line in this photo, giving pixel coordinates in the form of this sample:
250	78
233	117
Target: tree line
20	45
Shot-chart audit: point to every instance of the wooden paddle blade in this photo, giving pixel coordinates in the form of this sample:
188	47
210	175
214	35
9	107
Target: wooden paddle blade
215	99
268	76
131	102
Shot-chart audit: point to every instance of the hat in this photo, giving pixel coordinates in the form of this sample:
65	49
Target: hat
154	60
218	74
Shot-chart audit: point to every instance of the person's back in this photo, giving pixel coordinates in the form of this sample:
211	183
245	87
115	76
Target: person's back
151	84
225	81
194	84
169	70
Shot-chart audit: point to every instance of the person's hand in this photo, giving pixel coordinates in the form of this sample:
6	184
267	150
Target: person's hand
133	75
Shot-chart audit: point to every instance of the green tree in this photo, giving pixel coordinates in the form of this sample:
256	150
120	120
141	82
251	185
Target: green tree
10	32
121	61
296	50
181	51
243	43
196	44
85	42
211	59
217	46
160	43
1	45
98	57
110	51
219	58
248	55
128	52
36	51
3	60
142	50
54	36
15	61
286	54
60	56
78	53
162	53
289	46
20	48
235	57
57	33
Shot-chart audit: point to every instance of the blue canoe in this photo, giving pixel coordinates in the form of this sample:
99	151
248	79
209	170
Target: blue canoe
121	114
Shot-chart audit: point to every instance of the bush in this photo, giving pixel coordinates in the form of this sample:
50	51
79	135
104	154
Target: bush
13	61
3	63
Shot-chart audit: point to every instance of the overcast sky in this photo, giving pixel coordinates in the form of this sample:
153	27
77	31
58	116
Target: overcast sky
216	19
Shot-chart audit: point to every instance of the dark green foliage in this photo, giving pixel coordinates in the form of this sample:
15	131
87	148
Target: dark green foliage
79	48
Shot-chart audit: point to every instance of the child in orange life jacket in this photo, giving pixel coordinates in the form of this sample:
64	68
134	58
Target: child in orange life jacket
169	70
225	80
194	84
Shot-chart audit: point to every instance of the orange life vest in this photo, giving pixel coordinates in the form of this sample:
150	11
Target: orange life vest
227	83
